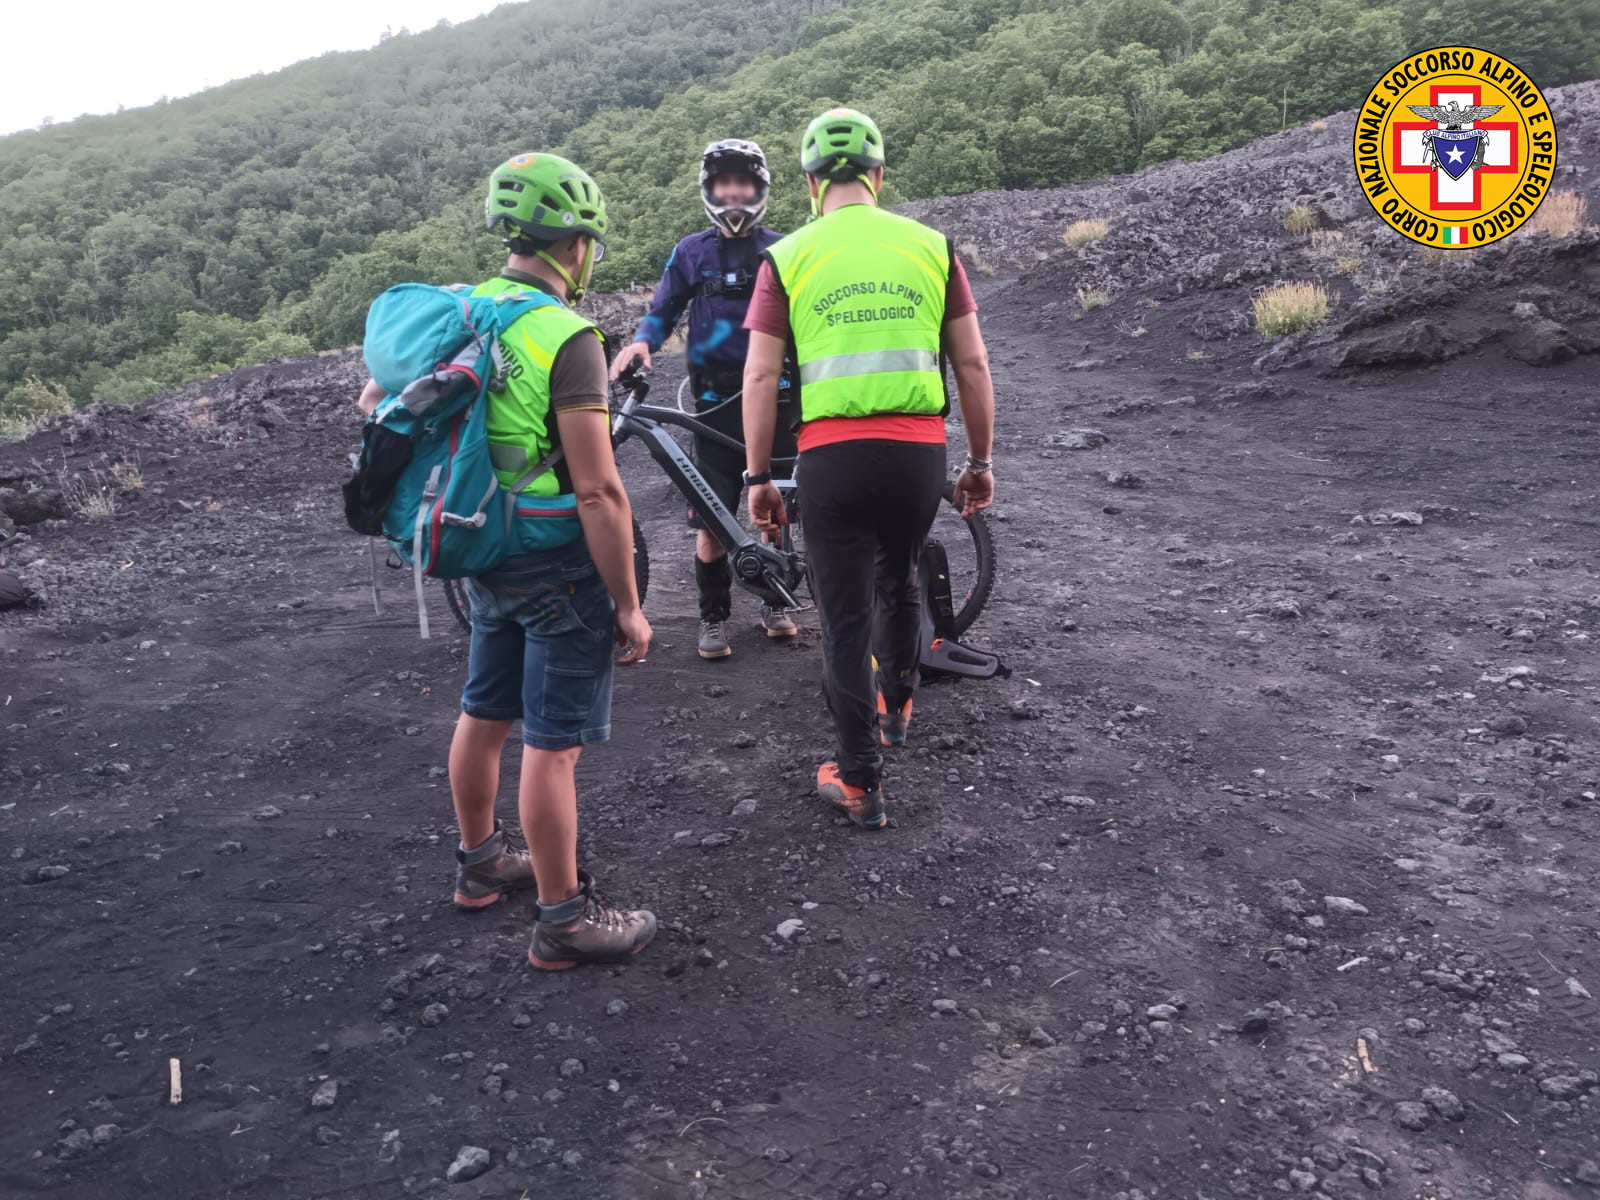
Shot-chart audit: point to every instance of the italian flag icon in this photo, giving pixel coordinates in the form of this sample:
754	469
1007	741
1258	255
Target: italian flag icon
1453	235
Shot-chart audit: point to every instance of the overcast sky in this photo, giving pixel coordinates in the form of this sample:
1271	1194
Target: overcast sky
89	56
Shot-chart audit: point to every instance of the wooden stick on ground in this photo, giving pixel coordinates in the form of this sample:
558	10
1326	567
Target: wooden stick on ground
175	1082
1366	1059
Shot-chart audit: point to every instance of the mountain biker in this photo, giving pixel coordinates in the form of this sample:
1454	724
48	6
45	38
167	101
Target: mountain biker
875	304
712	274
543	624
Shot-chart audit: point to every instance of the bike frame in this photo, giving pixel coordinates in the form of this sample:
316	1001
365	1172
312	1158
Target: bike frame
768	572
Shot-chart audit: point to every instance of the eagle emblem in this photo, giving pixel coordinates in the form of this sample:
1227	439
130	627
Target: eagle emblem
1450	148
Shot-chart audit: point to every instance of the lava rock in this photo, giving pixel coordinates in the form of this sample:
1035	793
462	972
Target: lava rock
1447	1104
1541	342
1416	343
1344	906
434	1015
1077	439
1413	1115
33	508
471	1161
1562	1087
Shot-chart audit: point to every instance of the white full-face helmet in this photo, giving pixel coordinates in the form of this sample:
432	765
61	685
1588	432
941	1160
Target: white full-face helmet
721	158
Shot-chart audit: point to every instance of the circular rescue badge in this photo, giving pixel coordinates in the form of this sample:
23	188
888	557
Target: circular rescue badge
1455	147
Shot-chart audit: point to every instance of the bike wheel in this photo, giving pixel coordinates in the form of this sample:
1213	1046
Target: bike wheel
455	595
455	590
969	544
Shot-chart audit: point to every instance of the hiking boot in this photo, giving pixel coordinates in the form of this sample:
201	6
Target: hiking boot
585	929
713	640
490	872
863	806
777	622
892	725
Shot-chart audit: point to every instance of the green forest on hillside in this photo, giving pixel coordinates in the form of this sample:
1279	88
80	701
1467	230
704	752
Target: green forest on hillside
257	220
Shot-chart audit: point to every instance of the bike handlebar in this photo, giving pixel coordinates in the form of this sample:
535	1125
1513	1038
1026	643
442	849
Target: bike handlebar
637	387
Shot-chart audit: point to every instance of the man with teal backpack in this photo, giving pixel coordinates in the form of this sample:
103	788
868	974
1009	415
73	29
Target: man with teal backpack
544	620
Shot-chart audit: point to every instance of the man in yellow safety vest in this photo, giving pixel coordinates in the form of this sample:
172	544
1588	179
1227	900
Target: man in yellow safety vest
874	306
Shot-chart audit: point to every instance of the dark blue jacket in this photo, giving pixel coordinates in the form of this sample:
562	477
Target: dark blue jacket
717	339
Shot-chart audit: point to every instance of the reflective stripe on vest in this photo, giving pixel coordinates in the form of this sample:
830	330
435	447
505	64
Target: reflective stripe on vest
866	292
870	362
518	422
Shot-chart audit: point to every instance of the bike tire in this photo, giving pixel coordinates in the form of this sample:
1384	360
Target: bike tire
983	551
455	590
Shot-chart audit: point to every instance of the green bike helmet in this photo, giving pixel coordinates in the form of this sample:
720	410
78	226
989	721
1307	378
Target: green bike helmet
841	143
541	198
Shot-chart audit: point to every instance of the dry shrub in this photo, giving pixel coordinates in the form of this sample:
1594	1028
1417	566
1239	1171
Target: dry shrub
1327	242
1561	213
1091	298
970	252
1300	219
1433	256
93	495
1319	127
1086	230
1290	308
129	475
1347	264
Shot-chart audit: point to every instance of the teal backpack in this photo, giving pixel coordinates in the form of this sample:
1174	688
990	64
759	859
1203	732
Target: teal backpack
424	481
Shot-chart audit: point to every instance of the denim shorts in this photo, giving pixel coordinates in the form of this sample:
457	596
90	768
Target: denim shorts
542	644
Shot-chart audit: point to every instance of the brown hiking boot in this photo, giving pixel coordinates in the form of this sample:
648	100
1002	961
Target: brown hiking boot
863	806
585	929
489	873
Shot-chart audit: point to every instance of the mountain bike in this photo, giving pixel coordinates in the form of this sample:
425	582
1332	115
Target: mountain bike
959	567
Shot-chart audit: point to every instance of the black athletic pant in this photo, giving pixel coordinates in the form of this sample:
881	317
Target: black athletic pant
866	508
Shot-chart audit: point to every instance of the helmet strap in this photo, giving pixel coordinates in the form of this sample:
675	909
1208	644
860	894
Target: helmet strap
865	179
816	199
587	273
575	290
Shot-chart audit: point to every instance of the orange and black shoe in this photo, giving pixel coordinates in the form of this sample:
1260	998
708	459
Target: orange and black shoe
892	725
863	806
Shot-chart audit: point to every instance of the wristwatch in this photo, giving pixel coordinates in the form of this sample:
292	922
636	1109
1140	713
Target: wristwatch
758	478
